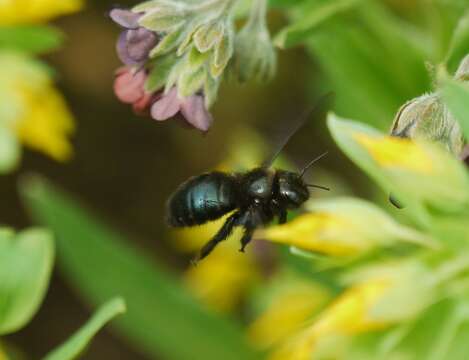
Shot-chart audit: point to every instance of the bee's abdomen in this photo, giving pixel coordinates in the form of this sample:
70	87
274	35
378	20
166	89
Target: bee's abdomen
201	199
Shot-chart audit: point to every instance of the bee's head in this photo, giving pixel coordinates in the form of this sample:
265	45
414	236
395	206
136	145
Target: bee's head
292	191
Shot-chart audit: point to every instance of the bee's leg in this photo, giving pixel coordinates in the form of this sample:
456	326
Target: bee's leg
282	216
247	237
221	235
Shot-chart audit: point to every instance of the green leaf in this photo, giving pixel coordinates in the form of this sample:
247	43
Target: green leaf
34	39
459	46
26	261
10	151
163	320
311	18
456	96
75	346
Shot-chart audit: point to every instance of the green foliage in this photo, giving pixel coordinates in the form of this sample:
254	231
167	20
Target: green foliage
10	151
31	39
456	96
26	262
313	15
77	344
459	46
99	263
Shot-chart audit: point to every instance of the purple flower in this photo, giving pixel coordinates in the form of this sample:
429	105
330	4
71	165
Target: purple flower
135	42
192	108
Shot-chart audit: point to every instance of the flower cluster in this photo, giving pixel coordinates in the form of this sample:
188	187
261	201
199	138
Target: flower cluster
176	52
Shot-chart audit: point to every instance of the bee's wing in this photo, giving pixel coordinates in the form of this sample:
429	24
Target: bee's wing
318	110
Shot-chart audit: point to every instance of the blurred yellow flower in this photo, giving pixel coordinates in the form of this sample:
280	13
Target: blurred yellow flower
14	12
341	227
33	108
396	152
289	308
222	279
380	296
346	316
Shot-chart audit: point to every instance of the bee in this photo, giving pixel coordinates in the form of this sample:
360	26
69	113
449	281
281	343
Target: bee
254	198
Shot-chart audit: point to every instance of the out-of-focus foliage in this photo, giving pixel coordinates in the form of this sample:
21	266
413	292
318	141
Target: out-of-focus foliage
26	262
77	344
160	313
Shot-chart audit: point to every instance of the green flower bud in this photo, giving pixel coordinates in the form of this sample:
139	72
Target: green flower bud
427	118
255	56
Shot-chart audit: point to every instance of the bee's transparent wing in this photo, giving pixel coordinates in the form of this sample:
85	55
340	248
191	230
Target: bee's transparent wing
318	110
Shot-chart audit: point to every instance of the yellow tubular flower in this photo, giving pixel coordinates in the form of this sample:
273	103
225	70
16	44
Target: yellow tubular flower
34	109
341	227
13	12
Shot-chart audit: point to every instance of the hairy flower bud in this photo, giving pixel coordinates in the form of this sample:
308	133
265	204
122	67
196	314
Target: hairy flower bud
255	56
427	118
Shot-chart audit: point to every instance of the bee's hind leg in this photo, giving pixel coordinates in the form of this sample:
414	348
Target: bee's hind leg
221	235
247	237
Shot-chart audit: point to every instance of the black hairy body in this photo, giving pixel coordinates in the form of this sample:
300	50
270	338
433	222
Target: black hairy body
256	198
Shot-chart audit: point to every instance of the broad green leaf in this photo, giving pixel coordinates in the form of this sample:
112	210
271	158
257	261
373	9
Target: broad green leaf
422	173
100	263
26	261
77	344
459	46
30	38
10	150
456	96
311	18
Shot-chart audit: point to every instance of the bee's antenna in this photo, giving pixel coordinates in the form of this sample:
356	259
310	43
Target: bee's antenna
311	163
318	110
318	187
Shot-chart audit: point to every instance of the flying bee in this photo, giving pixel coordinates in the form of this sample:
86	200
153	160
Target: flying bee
255	197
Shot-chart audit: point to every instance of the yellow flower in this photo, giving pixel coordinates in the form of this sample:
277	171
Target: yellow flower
289	308
32	107
396	152
341	227
14	12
